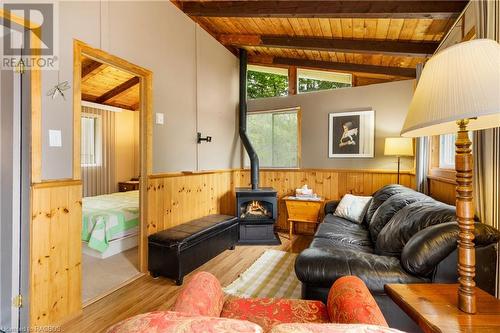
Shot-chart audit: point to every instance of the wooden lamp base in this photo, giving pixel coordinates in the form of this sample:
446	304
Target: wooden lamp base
465	216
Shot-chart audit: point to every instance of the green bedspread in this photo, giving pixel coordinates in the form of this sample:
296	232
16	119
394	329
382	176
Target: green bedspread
108	217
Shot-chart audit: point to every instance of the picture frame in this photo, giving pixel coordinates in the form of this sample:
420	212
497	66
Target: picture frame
351	134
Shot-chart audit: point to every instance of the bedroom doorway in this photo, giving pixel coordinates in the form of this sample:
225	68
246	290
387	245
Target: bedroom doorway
112	102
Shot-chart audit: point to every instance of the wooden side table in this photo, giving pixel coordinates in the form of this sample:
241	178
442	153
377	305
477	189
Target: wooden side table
302	210
434	308
131	185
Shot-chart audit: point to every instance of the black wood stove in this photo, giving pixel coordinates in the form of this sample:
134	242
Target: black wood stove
257	213
256	207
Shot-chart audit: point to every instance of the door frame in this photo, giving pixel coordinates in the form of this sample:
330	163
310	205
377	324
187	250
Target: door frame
145	126
29	121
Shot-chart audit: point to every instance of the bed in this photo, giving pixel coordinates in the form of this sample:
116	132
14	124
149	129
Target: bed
110	223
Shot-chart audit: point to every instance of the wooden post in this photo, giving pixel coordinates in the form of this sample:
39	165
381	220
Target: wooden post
465	215
292	80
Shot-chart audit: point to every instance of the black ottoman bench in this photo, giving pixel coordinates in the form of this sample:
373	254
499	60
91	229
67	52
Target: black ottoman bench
177	251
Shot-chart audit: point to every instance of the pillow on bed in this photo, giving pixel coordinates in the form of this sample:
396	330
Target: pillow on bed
353	208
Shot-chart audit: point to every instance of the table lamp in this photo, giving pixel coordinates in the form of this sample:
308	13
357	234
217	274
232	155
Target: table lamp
458	91
398	147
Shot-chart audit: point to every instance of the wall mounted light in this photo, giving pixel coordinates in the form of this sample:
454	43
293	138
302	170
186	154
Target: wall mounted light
207	138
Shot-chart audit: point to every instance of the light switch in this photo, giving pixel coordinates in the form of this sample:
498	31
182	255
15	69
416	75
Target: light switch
55	138
159	118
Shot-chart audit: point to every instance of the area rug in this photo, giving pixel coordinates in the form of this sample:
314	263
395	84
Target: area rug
272	275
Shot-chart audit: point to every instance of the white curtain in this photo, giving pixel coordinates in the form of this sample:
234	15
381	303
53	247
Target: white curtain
486	144
422	153
98	173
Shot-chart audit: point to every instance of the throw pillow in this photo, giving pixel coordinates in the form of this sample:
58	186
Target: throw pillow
353	208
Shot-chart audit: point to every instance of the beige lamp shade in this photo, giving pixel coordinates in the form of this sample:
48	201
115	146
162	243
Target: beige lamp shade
461	82
398	147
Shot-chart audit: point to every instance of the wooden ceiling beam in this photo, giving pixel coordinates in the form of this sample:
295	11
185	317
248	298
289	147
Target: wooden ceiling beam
118	90
335	66
400	48
92	68
327	9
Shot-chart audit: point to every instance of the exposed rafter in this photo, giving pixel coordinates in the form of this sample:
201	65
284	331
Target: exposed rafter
118	90
400	48
333	9
336	66
92	68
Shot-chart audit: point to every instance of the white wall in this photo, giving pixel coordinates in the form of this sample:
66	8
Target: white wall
158	36
389	100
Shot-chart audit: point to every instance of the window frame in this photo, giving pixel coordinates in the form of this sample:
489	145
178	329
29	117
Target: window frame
299	139
97	140
324	72
435	171
269	70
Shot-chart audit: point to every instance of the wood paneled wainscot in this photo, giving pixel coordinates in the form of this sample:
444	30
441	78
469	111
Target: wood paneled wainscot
55	245
443	190
174	198
327	183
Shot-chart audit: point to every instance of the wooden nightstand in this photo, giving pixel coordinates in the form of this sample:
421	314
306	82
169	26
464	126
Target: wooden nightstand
434	308
301	210
131	185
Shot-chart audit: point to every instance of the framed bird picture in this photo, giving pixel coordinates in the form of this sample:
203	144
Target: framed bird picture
351	134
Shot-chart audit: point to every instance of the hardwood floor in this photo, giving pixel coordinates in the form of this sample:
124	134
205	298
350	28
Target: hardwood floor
147	294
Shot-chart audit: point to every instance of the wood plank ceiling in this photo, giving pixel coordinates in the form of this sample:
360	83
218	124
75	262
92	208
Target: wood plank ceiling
374	40
108	85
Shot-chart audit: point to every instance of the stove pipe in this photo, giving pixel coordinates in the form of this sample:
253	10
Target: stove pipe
254	159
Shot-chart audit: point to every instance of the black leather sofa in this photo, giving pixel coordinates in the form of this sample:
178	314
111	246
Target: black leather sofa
406	237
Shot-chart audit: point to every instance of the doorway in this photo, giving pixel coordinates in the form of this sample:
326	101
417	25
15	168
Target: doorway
112	136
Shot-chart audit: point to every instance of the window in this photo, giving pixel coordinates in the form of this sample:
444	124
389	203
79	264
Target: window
447	151
311	80
90	149
275	136
442	157
266	82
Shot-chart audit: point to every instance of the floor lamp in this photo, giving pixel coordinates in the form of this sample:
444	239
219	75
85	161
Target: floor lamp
398	147
459	91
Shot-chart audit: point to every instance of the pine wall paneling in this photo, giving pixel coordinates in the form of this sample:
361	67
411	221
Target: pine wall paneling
442	190
55	274
178	197
175	198
330	184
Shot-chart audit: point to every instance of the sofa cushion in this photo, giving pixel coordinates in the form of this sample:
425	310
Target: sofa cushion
410	220
321	266
176	322
201	296
390	207
353	208
428	247
382	195
332	328
318	242
350	302
344	233
269	312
